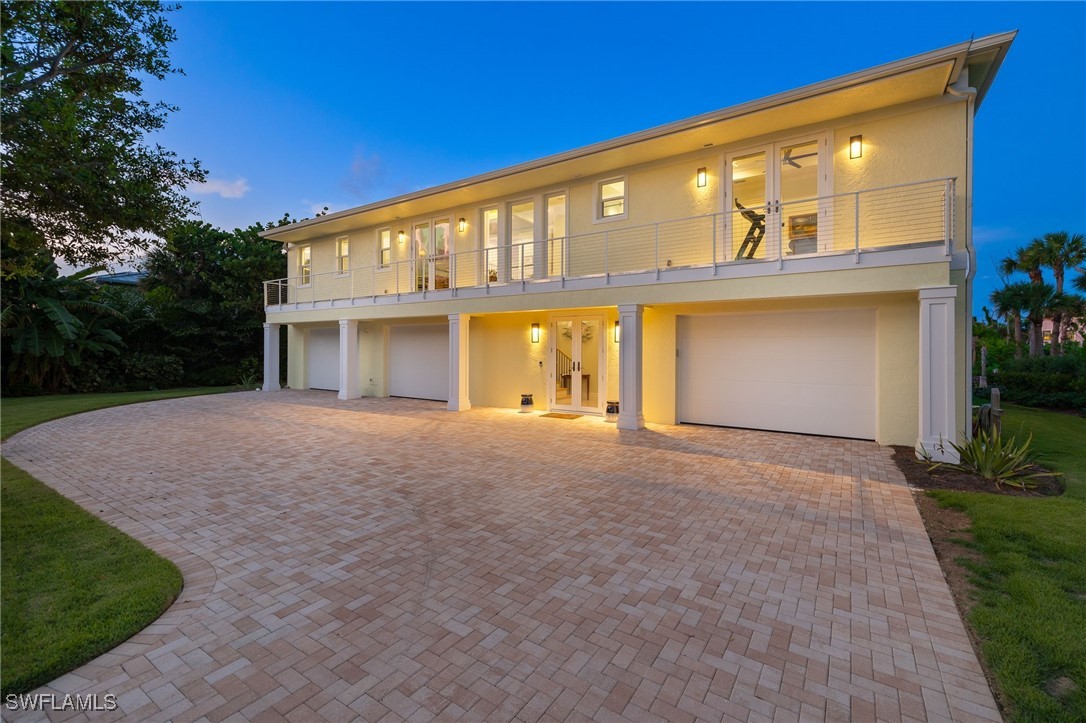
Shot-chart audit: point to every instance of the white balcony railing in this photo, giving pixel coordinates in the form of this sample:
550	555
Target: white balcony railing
914	214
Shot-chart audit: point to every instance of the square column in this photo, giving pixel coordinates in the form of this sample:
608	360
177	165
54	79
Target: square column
271	358
348	359
630	414
938	374
458	363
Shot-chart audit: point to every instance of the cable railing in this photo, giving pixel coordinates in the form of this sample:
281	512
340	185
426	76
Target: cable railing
913	214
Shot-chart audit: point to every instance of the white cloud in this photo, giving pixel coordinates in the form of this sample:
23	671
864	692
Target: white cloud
226	189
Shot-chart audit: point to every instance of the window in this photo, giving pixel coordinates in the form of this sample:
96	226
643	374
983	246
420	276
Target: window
489	243
612	199
343	254
522	239
305	264
384	247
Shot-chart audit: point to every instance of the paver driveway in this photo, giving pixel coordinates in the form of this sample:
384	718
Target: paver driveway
384	559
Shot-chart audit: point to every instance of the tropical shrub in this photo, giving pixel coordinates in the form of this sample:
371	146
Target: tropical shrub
1001	460
1053	382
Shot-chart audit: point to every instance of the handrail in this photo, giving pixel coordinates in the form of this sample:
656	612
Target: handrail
849	222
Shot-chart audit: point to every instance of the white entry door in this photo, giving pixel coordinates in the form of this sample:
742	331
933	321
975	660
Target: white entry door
808	372
578	364
324	359
773	204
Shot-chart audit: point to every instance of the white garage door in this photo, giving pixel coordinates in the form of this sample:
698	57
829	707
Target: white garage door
418	360
808	372
324	359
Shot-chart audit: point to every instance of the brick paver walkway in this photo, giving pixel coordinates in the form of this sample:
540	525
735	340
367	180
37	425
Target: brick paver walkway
384	559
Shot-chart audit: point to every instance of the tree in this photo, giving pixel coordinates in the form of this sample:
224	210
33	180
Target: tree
80	179
1060	251
1009	303
205	285
51	325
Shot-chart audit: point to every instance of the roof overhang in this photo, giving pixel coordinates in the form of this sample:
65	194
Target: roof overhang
916	78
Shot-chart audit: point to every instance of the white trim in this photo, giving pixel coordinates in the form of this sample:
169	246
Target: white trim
507	239
597	199
601	362
302	249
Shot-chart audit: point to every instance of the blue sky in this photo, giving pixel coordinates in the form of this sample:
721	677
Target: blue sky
295	106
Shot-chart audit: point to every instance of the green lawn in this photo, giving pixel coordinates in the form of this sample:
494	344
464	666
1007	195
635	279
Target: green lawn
71	586
18	413
1031	609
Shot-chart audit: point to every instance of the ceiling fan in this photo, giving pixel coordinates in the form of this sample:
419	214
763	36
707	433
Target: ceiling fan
790	160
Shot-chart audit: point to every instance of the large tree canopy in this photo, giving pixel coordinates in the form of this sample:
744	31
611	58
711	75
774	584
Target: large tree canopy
80	179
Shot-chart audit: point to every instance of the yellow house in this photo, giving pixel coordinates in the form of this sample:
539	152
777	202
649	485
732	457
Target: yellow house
799	263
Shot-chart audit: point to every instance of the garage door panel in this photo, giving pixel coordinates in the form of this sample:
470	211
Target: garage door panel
809	372
323	361
419	362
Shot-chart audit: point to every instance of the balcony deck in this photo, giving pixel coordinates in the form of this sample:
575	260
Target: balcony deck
908	223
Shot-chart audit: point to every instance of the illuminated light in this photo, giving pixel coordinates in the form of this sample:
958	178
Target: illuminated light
535	333
401	236
703	177
616	332
462	225
855	146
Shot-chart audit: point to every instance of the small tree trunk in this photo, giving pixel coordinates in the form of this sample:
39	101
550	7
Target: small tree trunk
1016	322
1035	345
1057	331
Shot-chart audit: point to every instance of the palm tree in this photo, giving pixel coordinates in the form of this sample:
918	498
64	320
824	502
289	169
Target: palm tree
1028	259
1040	299
1059	251
1009	302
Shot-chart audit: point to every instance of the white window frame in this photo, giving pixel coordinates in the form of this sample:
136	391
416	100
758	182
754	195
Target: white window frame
598	200
341	257
499	252
305	265
382	262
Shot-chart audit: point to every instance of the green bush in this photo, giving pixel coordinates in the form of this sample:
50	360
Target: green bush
999	459
1055	382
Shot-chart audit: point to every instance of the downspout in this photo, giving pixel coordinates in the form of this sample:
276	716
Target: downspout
970	95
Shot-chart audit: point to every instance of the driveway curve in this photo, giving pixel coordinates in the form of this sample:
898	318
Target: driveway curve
383	559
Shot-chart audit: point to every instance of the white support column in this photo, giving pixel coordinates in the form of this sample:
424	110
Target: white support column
348	359
458	363
630	415
271	358
938	374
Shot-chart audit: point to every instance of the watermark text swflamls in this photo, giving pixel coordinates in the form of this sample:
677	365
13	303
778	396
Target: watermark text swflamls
91	702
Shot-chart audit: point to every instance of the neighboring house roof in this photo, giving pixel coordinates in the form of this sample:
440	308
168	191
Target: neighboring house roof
928	75
121	278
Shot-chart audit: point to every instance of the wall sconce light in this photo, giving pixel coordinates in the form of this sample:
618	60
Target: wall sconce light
855	146
462	224
401	236
617	327
535	333
703	177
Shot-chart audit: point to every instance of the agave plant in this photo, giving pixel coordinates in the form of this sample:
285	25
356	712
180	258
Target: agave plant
1003	461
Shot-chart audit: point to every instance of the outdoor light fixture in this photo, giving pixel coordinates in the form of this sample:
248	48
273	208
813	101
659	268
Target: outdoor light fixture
535	333
703	177
855	146
616	332
462	225
401	236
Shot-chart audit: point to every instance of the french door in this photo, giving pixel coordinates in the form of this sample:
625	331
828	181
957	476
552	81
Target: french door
431	240
578	364
773	201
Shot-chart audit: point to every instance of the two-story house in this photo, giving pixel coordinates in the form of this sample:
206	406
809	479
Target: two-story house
799	263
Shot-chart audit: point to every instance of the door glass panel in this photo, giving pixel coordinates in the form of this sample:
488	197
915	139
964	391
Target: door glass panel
440	255
563	363
748	210
556	233
798	189
421	239
589	363
522	239
490	244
